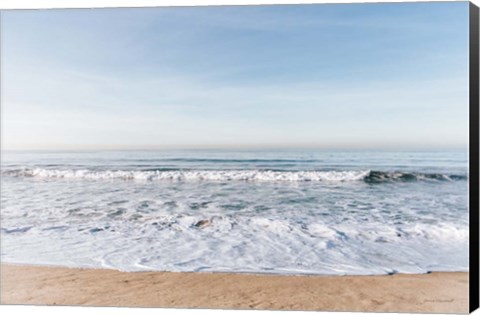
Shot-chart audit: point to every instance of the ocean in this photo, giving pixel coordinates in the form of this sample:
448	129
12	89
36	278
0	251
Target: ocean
251	211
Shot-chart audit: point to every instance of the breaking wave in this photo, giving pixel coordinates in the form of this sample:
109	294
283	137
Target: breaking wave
367	176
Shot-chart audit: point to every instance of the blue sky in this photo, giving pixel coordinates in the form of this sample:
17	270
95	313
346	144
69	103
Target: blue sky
329	76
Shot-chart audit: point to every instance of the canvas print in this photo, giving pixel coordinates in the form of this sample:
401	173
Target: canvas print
294	157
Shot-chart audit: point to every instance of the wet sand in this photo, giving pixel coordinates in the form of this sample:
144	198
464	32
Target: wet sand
444	292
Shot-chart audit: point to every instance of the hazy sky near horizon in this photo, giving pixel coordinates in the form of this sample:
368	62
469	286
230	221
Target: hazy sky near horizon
343	76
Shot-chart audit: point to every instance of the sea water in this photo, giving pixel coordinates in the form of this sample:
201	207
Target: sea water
256	211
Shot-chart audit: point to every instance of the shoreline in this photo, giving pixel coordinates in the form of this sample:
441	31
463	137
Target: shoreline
247	273
445	292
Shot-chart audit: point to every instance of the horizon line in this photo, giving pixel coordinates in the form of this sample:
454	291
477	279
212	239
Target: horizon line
423	147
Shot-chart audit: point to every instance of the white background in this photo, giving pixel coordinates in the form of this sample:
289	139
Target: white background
60	310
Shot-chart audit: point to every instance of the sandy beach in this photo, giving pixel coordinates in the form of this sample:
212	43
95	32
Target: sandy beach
436	292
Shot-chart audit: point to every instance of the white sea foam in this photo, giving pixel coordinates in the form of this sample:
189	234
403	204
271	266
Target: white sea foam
197	175
258	228
244	244
234	175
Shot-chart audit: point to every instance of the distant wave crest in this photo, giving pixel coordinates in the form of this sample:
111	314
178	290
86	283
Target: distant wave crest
367	176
